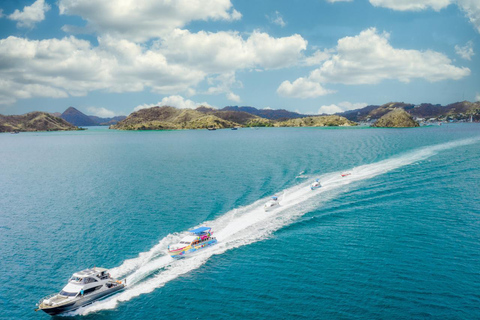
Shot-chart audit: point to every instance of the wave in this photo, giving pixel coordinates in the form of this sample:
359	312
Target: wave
245	225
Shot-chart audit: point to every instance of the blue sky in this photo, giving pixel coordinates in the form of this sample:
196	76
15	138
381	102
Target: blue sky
110	57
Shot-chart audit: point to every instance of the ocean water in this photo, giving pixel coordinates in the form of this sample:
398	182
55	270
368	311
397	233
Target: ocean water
397	239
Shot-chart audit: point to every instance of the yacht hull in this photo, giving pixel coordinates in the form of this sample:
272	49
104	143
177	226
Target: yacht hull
86	300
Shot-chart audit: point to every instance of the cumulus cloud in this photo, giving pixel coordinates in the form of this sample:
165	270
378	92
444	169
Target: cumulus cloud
302	88
472	10
72	67
146	19
101	112
341	107
277	19
470	7
30	14
368	58
223	84
466	52
174	101
225	51
477	97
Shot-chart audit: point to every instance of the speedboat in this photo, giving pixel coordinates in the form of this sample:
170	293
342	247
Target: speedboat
199	238
83	288
271	204
316	184
346	174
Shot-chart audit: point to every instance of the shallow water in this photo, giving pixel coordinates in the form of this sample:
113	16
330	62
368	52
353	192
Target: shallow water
399	238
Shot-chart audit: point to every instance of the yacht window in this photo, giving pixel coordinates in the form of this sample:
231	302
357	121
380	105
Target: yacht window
88	280
77	279
68	294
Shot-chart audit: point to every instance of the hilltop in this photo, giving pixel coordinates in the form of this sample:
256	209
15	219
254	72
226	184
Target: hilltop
317	121
460	111
277	114
170	118
396	118
34	121
165	118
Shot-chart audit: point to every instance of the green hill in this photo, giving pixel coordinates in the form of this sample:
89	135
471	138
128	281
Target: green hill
34	121
397	118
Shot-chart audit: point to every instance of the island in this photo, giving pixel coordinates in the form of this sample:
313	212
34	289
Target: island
34	121
397	118
170	118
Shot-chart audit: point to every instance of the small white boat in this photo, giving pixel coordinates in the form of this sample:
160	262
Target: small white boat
83	288
316	185
271	204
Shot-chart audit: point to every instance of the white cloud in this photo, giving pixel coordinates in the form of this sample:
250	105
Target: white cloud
477	97
174	101
101	112
302	88
472	10
368	58
72	67
341	107
466	52
411	5
146	19
277	19
30	14
226	51
318	57
233	97
470	7
1	13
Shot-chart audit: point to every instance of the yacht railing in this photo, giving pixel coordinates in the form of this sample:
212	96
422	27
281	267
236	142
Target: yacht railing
46	298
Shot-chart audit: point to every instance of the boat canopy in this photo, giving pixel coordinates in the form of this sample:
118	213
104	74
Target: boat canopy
200	230
274	198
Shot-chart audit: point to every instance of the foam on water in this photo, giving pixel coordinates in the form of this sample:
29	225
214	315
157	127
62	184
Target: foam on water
245	225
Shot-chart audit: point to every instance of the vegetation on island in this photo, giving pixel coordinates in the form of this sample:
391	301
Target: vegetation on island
34	121
166	118
397	118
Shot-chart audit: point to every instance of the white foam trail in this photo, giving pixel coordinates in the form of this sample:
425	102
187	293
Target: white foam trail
244	225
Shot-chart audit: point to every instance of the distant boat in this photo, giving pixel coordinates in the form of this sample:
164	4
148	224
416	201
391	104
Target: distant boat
15	132
211	129
346	174
234	128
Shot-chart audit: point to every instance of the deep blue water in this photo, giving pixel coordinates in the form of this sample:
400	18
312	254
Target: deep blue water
398	239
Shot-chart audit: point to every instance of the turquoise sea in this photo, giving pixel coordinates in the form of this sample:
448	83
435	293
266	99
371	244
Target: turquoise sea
399	238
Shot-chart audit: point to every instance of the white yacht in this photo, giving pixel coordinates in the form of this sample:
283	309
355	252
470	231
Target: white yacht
316	185
84	287
271	204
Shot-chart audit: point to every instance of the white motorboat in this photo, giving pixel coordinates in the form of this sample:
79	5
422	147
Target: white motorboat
316	185
271	204
83	288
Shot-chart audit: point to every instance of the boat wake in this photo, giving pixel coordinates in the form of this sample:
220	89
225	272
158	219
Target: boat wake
245	225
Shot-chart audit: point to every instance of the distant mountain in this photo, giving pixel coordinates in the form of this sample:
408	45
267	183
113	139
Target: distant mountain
107	121
77	118
170	118
34	121
456	111
396	118
317	121
239	117
279	114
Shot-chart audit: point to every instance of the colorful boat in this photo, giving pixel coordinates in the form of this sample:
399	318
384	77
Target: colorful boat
316	184
346	174
200	238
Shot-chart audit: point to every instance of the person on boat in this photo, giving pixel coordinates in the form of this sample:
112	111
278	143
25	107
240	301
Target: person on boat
81	292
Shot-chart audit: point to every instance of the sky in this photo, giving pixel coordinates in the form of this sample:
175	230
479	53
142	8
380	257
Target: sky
111	57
